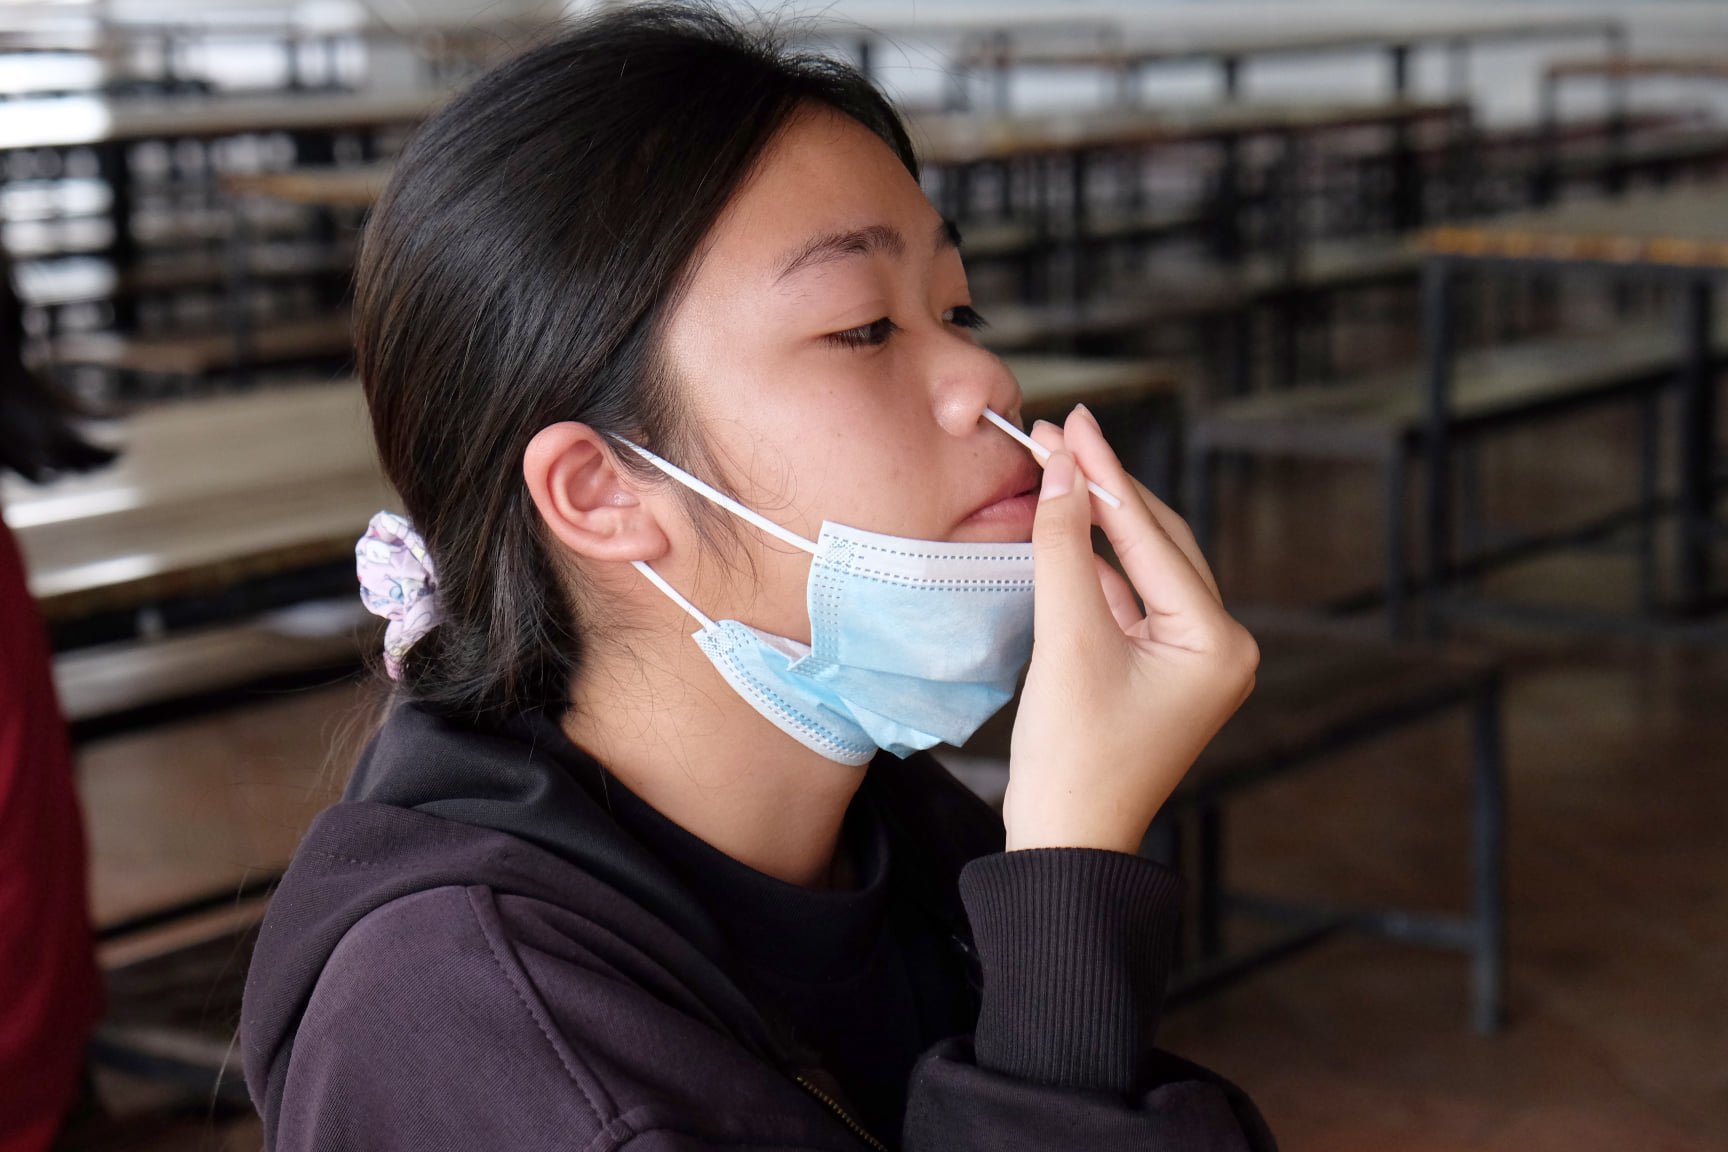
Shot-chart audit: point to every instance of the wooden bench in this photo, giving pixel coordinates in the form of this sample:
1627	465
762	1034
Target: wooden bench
103	686
327	187
208	494
170	1017
1050	386
197	354
72	279
1203	289
190	824
71	121
1611	163
1138	402
1207	294
1319	691
1383	419
264	261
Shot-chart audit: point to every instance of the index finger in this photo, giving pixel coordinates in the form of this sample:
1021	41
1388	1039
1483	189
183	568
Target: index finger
1157	556
1049	436
1180	532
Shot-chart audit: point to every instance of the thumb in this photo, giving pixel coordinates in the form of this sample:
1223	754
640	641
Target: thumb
1066	591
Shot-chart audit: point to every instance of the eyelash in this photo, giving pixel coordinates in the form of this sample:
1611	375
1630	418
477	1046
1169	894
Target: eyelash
876	333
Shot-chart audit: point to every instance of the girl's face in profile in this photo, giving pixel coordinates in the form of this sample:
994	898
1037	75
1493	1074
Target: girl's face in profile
825	348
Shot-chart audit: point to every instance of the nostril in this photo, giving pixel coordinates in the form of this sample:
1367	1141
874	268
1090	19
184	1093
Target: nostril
959	414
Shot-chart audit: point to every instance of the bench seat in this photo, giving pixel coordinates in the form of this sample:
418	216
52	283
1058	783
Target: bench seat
1385	416
1196	292
195	354
103	681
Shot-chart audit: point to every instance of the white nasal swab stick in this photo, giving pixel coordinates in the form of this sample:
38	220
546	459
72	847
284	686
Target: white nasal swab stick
1043	454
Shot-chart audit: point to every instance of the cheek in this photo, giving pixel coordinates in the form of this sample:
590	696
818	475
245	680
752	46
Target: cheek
865	465
810	437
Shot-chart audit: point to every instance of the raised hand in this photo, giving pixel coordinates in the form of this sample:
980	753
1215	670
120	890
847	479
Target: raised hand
1118	702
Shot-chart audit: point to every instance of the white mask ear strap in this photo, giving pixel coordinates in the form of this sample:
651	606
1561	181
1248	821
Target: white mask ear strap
659	582
703	489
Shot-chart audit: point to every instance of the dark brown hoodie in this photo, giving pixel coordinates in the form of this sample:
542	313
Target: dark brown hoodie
471	952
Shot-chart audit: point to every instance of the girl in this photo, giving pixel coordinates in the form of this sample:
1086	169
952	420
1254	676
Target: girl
660	336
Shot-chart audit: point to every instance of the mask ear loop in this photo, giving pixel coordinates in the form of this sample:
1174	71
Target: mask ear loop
703	489
726	502
672	593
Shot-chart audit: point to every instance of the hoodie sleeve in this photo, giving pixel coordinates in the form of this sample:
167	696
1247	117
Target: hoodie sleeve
1075	946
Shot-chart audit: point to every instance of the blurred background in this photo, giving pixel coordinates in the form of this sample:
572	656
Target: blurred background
1411	308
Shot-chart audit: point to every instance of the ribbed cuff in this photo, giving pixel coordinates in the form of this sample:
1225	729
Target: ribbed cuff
1075	945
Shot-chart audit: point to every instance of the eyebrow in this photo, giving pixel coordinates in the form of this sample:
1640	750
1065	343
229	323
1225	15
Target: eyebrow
859	242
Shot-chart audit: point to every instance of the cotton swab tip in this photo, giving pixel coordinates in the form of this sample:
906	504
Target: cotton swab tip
1042	453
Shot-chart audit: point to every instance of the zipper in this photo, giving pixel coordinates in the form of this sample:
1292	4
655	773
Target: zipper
834	1107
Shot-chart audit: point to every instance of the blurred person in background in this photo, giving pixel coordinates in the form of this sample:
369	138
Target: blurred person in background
50	992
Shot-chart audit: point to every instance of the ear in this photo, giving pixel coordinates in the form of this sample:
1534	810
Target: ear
588	502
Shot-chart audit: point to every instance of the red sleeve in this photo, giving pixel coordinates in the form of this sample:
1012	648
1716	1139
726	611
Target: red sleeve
47	960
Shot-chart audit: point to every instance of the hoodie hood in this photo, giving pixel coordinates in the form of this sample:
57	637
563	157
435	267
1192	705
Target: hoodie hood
434	805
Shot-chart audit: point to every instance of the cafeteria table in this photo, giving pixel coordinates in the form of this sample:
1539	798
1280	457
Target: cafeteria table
1679	234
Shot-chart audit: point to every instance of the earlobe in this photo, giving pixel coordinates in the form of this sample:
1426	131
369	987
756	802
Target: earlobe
588	502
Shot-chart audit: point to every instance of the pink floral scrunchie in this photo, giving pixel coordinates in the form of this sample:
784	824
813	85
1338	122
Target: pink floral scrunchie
397	583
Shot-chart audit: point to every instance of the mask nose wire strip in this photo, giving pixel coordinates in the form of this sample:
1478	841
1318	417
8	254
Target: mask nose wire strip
724	500
1038	450
660	582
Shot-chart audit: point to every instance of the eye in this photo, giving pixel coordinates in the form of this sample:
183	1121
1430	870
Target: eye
965	316
867	336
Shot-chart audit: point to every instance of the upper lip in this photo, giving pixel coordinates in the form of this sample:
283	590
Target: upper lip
1022	478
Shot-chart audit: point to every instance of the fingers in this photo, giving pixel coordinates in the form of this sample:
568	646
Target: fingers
1179	532
1090	438
1118	595
1068	601
1164	574
1048	434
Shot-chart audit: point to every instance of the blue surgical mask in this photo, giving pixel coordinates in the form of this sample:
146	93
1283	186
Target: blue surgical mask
912	642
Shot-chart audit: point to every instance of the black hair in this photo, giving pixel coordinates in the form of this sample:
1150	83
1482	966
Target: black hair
518	272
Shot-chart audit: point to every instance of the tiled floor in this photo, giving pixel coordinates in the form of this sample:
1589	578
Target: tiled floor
1618	1034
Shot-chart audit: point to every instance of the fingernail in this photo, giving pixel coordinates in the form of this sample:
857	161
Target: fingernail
1037	424
1058	476
1087	412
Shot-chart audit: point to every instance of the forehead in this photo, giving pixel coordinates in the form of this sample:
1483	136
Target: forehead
823	173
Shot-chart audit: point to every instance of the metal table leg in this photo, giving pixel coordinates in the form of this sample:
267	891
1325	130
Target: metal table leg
1649	494
1079	190
1438	277
1406	165
1201	498
1489	850
1697	444
1397	541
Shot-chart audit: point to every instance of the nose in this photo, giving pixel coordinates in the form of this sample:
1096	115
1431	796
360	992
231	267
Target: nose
968	380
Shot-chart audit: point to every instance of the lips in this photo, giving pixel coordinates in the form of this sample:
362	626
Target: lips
1019	486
